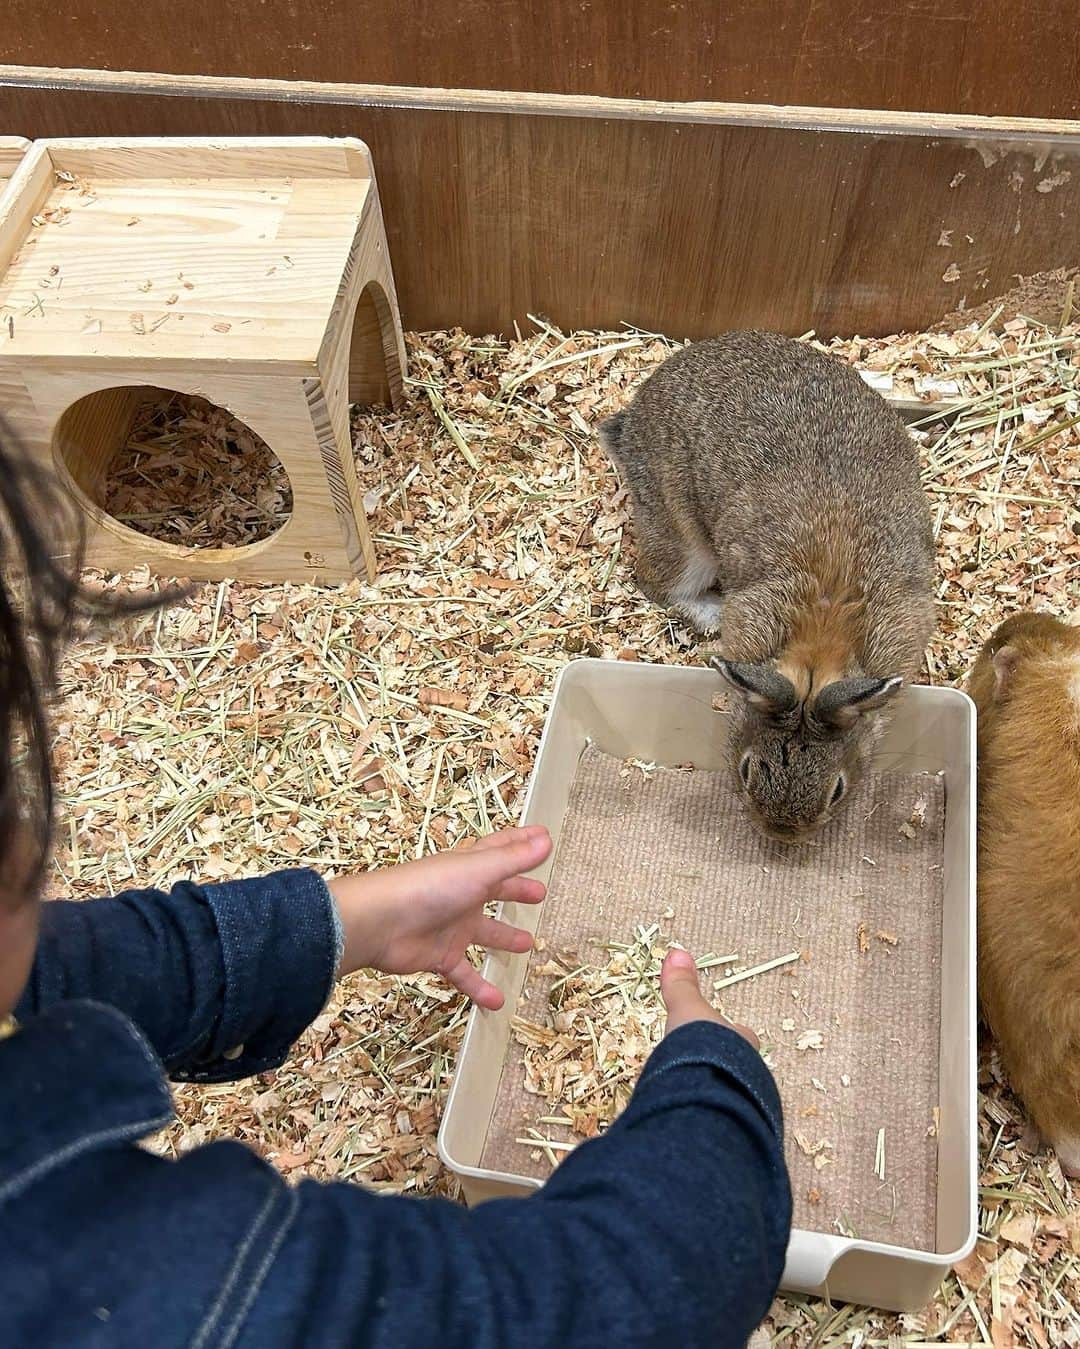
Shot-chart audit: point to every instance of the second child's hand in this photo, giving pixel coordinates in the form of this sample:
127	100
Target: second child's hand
681	992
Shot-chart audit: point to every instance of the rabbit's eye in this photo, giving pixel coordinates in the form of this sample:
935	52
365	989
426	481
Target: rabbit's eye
839	790
744	768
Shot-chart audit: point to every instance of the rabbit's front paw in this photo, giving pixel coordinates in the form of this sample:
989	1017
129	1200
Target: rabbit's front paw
703	613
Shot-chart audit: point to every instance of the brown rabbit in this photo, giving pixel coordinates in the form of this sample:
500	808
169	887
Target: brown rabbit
777	498
1026	685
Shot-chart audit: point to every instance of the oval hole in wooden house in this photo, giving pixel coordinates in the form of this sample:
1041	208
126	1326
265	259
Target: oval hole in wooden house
369	380
173	467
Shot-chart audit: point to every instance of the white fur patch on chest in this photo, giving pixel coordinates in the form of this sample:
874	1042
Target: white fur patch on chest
691	594
697	576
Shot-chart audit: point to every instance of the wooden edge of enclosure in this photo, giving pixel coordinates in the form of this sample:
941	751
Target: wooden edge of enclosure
1004	129
23	196
682	218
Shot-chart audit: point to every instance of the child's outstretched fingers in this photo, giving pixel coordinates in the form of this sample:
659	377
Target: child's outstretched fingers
681	991
493	861
467	979
682	996
496	935
522	890
501	837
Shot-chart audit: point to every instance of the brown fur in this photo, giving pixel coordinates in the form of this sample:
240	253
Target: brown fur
1026	685
824	636
777	499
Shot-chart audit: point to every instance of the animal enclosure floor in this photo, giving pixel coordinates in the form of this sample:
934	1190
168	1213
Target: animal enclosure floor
347	727
851	1029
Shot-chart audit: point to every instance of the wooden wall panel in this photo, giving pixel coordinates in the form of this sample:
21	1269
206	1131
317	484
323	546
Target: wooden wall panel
686	222
994	57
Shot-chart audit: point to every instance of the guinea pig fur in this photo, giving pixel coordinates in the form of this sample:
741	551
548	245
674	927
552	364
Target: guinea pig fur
1026	686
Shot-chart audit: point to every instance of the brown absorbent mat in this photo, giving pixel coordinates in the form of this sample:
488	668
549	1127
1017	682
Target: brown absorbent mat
850	1029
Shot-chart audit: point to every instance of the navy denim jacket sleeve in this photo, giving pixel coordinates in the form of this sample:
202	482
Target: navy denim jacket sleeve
669	1230
220	979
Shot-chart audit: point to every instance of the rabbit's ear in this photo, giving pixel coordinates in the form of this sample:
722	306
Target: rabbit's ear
763	686
843	701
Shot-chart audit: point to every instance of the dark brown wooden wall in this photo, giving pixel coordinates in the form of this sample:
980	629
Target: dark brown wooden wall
990	57
682	227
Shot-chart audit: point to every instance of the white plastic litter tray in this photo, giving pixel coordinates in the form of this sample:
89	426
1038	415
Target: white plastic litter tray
664	714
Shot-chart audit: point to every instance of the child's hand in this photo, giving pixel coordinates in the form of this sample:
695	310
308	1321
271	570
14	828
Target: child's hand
681	992
425	915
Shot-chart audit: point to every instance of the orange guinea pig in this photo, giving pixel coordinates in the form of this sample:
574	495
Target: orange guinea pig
1026	685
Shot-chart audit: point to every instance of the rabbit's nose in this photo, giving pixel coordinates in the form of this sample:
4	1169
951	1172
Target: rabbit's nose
789	831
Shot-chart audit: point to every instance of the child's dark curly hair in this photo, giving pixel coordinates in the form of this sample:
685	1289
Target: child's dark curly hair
42	600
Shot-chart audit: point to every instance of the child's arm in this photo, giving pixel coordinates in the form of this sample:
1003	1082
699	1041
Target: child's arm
203	971
221	979
668	1231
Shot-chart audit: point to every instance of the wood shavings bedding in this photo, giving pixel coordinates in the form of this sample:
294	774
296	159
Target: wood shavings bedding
268	726
191	473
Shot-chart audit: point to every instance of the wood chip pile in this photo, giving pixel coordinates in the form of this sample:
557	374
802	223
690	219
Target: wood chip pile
348	727
605	1020
222	485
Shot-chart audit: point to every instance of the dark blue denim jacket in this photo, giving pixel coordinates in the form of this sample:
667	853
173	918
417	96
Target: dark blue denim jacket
670	1230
